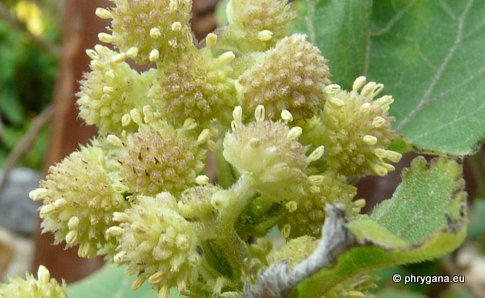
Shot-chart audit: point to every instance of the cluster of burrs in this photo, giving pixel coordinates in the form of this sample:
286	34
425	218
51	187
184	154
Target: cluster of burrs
255	99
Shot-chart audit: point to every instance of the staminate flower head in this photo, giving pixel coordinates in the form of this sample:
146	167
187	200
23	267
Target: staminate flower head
78	199
42	287
160	160
262	19
110	90
307	215
157	243
268	151
291	76
357	130
150	29
196	85
195	203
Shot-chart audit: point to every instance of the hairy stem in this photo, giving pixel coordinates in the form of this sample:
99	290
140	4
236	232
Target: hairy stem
242	191
279	279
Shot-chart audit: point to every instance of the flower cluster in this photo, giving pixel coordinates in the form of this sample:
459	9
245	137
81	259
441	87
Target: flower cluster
148	29
291	76
262	19
43	286
252	97
79	197
196	85
157	243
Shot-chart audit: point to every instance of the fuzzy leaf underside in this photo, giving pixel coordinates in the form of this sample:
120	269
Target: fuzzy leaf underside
397	232
427	53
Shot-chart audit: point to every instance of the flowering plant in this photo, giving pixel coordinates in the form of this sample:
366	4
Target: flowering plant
288	144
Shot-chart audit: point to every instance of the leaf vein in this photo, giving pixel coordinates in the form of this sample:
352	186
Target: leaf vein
309	20
424	100
394	19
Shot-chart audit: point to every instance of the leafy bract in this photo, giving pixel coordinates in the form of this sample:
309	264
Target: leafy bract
424	219
428	54
111	282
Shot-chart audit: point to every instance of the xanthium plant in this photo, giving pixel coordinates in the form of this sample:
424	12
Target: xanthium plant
287	142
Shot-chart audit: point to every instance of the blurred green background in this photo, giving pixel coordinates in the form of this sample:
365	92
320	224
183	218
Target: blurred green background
27	75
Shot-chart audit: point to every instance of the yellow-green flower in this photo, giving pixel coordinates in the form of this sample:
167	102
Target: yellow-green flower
157	243
292	76
30	287
78	199
307	215
110	90
196	85
151	29
160	160
357	130
269	152
262	19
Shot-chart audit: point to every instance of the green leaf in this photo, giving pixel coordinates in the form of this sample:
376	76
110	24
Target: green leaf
111	282
429	55
339	28
10	107
424	219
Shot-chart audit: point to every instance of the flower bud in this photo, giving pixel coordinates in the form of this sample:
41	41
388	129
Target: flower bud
195	202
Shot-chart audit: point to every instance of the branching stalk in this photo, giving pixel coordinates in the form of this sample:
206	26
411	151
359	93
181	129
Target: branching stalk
279	280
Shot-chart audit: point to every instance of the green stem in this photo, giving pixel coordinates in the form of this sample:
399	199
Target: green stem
241	191
224	249
225	173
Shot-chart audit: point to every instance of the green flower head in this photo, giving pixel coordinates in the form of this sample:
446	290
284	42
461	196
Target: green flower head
196	85
149	30
78	198
157	243
357	130
160	160
292	76
42	287
110	90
